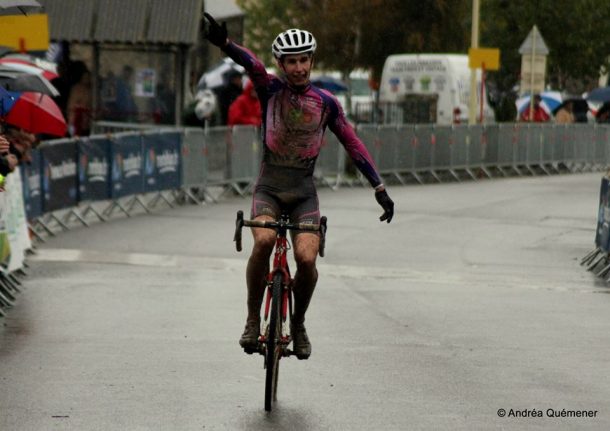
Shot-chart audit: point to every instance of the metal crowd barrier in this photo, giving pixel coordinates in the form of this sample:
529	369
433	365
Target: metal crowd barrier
76	177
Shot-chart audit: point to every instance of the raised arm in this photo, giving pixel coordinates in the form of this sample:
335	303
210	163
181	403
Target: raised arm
217	34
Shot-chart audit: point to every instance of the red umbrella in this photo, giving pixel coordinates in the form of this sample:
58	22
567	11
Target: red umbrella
37	113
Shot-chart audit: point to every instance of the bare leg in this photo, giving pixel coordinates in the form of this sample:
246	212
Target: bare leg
258	268
305	253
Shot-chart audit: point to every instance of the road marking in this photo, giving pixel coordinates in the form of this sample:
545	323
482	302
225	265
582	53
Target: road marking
238	264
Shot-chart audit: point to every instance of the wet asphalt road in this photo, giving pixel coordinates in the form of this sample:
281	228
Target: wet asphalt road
472	300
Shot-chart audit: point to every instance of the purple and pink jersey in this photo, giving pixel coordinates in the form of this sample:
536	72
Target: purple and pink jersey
294	122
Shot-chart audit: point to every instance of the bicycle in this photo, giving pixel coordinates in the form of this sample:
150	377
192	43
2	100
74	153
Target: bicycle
275	335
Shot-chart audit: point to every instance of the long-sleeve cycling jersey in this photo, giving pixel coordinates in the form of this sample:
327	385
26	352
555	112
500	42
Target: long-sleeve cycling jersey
294	120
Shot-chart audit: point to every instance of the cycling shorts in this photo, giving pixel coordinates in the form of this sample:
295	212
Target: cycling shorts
286	190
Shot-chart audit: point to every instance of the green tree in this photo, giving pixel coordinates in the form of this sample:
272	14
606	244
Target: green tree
362	33
574	31
265	19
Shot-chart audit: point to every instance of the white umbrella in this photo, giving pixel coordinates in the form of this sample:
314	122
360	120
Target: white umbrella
216	75
550	100
8	7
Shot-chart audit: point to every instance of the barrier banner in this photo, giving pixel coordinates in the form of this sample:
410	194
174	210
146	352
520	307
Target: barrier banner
5	246
32	186
94	169
59	176
127	171
162	161
16	227
602	233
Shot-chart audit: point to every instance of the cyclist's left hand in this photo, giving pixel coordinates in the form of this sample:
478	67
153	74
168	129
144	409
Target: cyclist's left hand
387	204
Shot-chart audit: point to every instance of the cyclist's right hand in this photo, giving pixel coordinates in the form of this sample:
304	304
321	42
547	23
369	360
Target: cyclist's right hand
386	203
216	34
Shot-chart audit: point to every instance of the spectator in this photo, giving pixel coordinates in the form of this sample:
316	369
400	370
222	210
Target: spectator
8	161
21	144
246	109
565	114
228	94
538	114
80	103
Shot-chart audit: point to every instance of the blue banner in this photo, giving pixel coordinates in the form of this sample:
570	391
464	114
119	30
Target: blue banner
127	170
163	162
32	185
602	233
94	169
59	175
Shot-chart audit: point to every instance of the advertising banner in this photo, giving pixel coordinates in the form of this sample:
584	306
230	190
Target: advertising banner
16	227
162	161
94	169
127	171
32	186
602	233
59	176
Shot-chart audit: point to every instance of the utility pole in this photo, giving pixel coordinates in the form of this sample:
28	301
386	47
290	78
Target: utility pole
474	43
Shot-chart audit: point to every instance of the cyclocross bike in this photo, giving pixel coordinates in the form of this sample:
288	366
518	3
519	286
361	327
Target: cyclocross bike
275	336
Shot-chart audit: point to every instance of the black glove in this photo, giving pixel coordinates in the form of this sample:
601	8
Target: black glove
216	34
387	204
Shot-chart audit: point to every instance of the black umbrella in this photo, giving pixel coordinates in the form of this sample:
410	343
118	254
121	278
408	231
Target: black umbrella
601	94
12	7
329	83
18	81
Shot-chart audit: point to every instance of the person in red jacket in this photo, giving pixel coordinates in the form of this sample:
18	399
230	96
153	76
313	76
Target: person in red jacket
538	115
246	109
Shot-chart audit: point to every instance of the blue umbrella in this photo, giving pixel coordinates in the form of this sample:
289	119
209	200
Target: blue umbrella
601	94
550	100
7	100
329	83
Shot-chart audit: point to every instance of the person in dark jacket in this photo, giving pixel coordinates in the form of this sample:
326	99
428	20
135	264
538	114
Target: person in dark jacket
228	94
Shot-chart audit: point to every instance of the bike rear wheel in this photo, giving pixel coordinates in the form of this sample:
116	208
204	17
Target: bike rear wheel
273	347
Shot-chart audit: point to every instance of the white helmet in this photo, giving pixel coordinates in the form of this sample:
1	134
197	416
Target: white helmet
293	41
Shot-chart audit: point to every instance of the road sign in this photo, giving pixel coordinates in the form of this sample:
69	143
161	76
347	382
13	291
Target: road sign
533	52
533	70
25	32
487	58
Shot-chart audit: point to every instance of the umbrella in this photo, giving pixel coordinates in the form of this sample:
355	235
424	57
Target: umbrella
7	100
36	113
21	66
550	101
601	94
30	60
329	83
19	81
11	7
216	76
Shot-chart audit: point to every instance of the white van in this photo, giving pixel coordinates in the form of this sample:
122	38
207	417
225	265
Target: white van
429	88
361	95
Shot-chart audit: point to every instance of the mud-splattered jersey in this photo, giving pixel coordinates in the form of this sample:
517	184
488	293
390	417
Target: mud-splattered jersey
295	119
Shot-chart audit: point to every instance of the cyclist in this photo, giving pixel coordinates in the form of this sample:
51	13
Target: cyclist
295	116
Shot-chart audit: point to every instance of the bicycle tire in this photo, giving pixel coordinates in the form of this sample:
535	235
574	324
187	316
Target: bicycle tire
272	353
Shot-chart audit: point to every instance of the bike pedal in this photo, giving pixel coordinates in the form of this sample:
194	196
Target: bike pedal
302	357
250	350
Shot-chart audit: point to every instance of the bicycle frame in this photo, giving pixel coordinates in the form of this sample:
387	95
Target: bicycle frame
280	265
274	340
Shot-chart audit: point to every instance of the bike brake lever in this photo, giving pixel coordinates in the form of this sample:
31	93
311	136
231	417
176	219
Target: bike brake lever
239	222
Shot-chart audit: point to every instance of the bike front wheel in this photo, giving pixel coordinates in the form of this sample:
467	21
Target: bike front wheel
273	347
